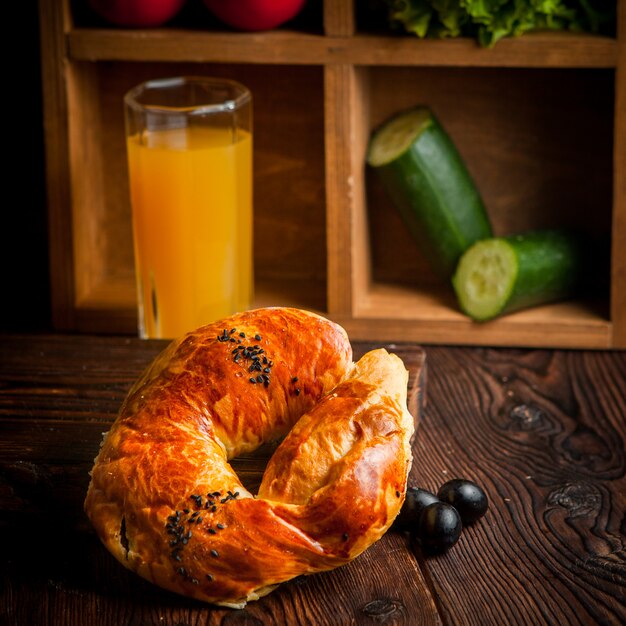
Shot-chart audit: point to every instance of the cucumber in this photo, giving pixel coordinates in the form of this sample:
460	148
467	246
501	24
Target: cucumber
427	181
504	274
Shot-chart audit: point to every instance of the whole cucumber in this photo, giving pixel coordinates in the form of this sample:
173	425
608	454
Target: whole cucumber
505	274
427	181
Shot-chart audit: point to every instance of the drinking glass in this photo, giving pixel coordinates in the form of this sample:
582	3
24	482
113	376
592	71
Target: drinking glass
189	142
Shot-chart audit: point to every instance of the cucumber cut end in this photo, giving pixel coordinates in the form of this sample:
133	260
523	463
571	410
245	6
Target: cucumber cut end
397	135
485	278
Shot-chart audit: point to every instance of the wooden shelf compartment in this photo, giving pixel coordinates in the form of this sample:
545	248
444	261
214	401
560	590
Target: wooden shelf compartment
538	143
289	226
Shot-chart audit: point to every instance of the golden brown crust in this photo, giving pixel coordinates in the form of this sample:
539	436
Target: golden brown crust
167	504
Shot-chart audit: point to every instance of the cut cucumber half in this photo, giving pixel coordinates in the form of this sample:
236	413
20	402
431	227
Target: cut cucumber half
501	275
426	179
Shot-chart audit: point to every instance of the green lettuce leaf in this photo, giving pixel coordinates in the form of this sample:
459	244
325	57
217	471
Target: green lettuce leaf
491	20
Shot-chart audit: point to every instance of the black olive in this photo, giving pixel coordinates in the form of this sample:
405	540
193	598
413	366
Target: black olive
415	502
439	527
466	497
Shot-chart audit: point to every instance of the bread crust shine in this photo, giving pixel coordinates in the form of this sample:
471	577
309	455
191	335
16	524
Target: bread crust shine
165	501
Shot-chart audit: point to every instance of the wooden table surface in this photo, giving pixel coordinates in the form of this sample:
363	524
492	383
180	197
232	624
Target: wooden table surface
542	431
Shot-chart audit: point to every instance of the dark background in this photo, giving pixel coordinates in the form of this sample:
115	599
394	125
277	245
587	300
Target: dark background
25	304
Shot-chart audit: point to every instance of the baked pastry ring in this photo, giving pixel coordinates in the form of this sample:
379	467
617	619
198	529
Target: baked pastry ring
167	504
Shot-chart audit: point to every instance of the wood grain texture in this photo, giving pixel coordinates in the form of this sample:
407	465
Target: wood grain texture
543	432
339	18
89	213
618	266
54	23
339	95
279	47
396	313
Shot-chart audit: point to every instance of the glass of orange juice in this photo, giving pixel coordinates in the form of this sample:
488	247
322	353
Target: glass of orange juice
189	144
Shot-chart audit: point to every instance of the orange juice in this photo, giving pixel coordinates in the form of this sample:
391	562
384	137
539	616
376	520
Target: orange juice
191	194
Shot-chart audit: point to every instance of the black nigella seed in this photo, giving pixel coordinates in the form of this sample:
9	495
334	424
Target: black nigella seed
232	330
253	381
186	511
213	508
182	571
212	531
221	526
259	379
267	370
242	335
194	581
294	379
199	520
297	392
345	536
215	553
398	494
258	337
209	578
235	494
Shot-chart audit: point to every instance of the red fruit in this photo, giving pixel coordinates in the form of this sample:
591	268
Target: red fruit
254	14
137	13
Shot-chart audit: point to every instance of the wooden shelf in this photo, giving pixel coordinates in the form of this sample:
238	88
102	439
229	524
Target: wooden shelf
540	120
388	313
289	47
110	305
